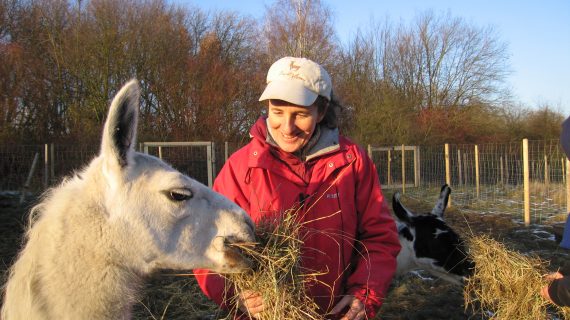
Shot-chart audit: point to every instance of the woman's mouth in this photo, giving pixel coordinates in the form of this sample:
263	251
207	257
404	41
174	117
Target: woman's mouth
288	138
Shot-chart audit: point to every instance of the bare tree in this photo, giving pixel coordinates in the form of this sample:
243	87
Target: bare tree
301	28
448	61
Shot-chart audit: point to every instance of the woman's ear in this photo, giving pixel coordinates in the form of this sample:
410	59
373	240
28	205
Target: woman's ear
323	112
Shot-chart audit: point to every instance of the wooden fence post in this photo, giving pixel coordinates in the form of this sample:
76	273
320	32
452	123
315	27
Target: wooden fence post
403	169
526	175
502	171
52	163
46	165
563	164
416	167
477	186
29	178
389	177
447	165
546	173
567	177
459	168
227	151
466	165
447	170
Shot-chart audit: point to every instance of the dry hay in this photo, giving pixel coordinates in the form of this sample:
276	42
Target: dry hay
277	273
505	283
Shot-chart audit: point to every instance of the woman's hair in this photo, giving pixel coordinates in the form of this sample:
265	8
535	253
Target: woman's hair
332	112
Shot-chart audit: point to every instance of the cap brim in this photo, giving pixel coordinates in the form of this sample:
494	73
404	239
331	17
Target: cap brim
290	91
565	137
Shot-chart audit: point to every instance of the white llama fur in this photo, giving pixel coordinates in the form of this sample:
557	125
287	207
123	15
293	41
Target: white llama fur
127	214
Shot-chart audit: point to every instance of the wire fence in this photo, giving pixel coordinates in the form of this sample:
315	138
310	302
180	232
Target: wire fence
484	178
58	161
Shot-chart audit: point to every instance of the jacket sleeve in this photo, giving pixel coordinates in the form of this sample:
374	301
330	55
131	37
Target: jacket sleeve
559	289
378	237
213	285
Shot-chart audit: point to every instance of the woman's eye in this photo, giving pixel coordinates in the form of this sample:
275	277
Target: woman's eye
179	195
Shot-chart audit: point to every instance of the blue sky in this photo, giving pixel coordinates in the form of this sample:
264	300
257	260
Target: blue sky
537	34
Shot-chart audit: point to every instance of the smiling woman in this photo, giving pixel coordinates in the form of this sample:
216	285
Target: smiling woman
298	159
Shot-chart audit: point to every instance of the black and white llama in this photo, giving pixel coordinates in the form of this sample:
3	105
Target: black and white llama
428	243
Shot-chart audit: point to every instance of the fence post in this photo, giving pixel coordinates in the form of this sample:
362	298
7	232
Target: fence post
46	165
226	151
447	166
466	165
526	183
477	186
403	169
370	151
160	152
52	163
564	169
214	167
502	170
209	164
29	178
567	177
389	168
459	167
416	168
546	172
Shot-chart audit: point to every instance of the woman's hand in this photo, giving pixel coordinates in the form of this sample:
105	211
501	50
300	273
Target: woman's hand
251	303
544	290
356	308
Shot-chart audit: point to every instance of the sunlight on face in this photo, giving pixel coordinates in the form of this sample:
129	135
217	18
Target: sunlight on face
292	125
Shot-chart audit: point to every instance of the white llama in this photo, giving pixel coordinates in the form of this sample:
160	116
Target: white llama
95	237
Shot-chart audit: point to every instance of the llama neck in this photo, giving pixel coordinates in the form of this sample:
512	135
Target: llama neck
74	268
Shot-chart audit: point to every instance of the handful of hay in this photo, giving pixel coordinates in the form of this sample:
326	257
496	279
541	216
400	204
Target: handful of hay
506	283
277	274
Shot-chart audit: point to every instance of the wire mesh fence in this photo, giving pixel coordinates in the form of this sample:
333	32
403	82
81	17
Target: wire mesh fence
484	178
57	161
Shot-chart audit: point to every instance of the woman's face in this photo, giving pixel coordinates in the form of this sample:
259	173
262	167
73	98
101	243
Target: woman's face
291	125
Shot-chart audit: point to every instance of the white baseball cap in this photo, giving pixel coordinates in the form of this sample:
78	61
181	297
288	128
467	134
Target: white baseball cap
297	80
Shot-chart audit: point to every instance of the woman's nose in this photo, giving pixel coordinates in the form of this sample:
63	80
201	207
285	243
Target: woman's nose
288	124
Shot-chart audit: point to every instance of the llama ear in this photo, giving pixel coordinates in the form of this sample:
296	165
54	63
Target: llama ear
119	133
401	212
441	203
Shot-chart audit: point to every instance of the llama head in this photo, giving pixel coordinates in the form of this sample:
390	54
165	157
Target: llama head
429	243
167	219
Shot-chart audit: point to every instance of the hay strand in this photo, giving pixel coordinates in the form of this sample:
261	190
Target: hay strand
277	274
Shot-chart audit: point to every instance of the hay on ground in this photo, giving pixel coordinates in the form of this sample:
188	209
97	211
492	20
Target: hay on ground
505	283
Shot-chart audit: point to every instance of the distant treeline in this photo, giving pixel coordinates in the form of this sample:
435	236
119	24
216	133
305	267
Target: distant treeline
437	79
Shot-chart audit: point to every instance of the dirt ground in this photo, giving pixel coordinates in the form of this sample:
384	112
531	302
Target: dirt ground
415	296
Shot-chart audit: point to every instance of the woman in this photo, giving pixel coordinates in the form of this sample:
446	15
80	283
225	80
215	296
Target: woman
296	155
558	289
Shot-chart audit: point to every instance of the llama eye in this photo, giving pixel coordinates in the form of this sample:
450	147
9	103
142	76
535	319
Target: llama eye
179	195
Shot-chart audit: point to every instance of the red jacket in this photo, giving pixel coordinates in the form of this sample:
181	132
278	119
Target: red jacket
341	177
